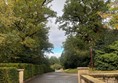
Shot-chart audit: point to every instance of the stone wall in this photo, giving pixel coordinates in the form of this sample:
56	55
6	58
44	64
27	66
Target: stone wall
84	76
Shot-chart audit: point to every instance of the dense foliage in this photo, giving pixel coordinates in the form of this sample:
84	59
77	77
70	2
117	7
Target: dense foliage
23	31
8	75
56	66
54	60
55	63
75	53
114	9
108	58
24	37
30	70
83	25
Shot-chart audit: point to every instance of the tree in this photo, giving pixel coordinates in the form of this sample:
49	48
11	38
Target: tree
107	59
106	48
56	66
114	9
111	15
85	16
109	36
75	53
54	60
85	26
85	20
23	31
6	14
106	51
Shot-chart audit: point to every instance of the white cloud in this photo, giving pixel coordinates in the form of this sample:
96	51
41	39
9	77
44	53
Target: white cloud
56	36
58	5
56	54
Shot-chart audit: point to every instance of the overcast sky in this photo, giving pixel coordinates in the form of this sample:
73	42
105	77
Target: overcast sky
56	36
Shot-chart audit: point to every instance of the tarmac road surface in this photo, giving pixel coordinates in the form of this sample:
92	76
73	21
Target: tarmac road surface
55	77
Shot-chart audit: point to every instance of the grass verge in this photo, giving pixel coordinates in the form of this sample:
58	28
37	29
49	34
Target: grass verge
71	70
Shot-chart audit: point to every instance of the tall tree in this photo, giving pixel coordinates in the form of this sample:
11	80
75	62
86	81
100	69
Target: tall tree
85	20
28	30
75	53
106	48
82	20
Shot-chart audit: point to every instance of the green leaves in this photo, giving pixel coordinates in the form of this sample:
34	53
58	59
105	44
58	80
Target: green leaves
112	14
83	25
107	59
23	31
28	42
8	75
7	13
75	53
85	20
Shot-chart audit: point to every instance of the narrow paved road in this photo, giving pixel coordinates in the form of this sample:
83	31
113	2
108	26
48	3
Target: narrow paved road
55	78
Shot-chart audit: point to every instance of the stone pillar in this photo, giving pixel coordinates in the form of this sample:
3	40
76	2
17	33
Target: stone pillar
82	71
83	81
21	75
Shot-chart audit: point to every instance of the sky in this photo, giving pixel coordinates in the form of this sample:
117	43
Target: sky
56	36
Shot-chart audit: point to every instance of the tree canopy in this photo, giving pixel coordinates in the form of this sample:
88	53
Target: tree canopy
83	22
23	31
83	25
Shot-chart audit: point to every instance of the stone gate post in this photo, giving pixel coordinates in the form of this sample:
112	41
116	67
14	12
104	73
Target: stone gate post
21	75
81	71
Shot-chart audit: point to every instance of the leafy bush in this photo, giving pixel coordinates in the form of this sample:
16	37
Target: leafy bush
56	66
107	59
107	62
8	75
30	70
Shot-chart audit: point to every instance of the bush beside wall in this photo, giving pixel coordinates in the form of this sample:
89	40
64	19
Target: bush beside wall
107	61
8	75
30	70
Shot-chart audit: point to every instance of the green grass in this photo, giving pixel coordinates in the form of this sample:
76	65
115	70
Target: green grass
71	70
90	70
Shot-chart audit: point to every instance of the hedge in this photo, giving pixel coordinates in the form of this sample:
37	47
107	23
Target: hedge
107	61
8	75
30	70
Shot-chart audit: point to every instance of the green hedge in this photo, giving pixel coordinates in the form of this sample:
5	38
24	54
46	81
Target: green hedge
30	70
106	61
8	75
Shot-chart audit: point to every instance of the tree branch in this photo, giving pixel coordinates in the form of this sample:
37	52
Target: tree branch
43	2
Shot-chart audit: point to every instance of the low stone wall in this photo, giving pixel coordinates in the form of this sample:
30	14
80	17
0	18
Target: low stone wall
82	71
106	77
90	79
84	76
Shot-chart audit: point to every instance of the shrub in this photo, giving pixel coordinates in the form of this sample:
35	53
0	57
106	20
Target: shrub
107	61
56	66
107	58
30	70
8	75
